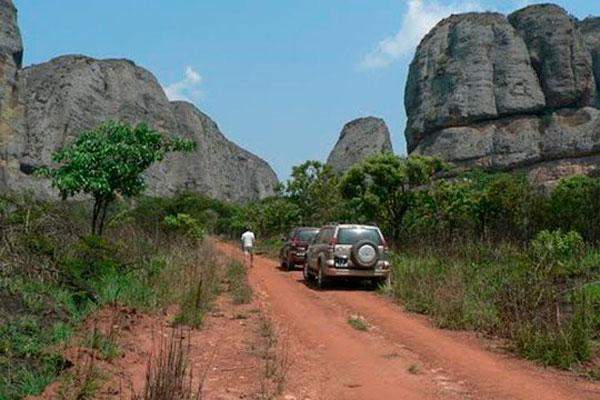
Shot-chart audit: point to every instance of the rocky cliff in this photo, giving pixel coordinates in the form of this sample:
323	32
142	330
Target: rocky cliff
43	107
507	92
359	139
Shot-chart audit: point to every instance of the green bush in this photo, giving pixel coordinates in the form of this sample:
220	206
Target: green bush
575	205
185	224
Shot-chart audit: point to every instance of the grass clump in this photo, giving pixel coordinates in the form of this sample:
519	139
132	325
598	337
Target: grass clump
106	345
83	383
358	323
169	375
414	369
239	286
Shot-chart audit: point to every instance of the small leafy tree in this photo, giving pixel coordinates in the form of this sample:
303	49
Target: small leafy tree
383	187
314	188
108	161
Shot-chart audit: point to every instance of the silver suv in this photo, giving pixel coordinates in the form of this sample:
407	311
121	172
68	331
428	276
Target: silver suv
347	251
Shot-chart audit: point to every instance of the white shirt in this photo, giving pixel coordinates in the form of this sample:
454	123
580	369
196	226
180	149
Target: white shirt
248	239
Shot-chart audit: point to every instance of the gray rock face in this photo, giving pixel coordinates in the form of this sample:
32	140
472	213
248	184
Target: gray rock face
470	67
71	94
220	168
558	54
503	93
44	107
358	140
590	29
518	141
11	56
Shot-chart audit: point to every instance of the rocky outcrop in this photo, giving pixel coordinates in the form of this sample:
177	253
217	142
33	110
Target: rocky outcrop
469	68
590	29
358	140
11	57
45	106
558	54
220	169
507	92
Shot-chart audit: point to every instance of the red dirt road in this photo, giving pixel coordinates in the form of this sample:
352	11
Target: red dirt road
401	356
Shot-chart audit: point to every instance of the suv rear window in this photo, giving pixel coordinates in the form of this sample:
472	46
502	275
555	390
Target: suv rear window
307	235
353	235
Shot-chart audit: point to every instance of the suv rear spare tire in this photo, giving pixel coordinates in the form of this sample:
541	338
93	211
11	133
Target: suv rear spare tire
365	254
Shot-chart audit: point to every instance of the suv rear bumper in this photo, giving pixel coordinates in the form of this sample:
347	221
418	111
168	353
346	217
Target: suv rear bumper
297	256
382	270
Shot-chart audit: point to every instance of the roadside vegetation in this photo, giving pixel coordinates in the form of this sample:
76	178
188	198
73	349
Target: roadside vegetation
479	251
62	261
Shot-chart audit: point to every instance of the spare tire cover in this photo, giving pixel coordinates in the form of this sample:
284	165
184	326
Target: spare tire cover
365	254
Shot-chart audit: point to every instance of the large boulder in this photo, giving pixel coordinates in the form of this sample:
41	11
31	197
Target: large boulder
470	67
504	93
219	168
558	53
358	140
71	94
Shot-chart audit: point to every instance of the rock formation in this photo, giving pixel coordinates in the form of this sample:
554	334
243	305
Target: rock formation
43	107
359	139
508	92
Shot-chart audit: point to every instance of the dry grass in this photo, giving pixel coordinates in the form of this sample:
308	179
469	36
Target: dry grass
81	383
169	376
276	361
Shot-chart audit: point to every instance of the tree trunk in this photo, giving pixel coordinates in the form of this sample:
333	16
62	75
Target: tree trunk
103	216
95	212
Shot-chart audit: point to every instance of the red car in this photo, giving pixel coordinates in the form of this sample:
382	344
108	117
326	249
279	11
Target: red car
293	251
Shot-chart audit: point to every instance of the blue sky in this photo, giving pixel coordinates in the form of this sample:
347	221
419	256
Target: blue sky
280	77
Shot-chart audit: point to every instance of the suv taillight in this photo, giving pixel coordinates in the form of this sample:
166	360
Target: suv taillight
333	242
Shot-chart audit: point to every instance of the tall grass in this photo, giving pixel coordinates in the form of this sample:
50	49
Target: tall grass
169	375
542	298
239	287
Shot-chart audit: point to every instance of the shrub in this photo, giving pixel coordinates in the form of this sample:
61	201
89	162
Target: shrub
185	224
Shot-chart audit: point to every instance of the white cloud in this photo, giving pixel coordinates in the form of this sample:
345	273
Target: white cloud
422	15
187	89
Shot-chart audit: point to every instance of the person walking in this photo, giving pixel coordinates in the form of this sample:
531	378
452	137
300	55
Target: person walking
248	241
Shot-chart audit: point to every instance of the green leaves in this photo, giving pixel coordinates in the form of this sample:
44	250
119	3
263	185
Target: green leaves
383	187
108	161
111	159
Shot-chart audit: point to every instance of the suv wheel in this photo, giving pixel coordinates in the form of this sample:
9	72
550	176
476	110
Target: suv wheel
321	279
308	277
290	265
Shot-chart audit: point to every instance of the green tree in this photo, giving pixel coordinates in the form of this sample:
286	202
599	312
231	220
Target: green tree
314	188
383	187
108	161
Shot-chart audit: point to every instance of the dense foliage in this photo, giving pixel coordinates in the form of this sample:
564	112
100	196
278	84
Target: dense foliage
108	161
